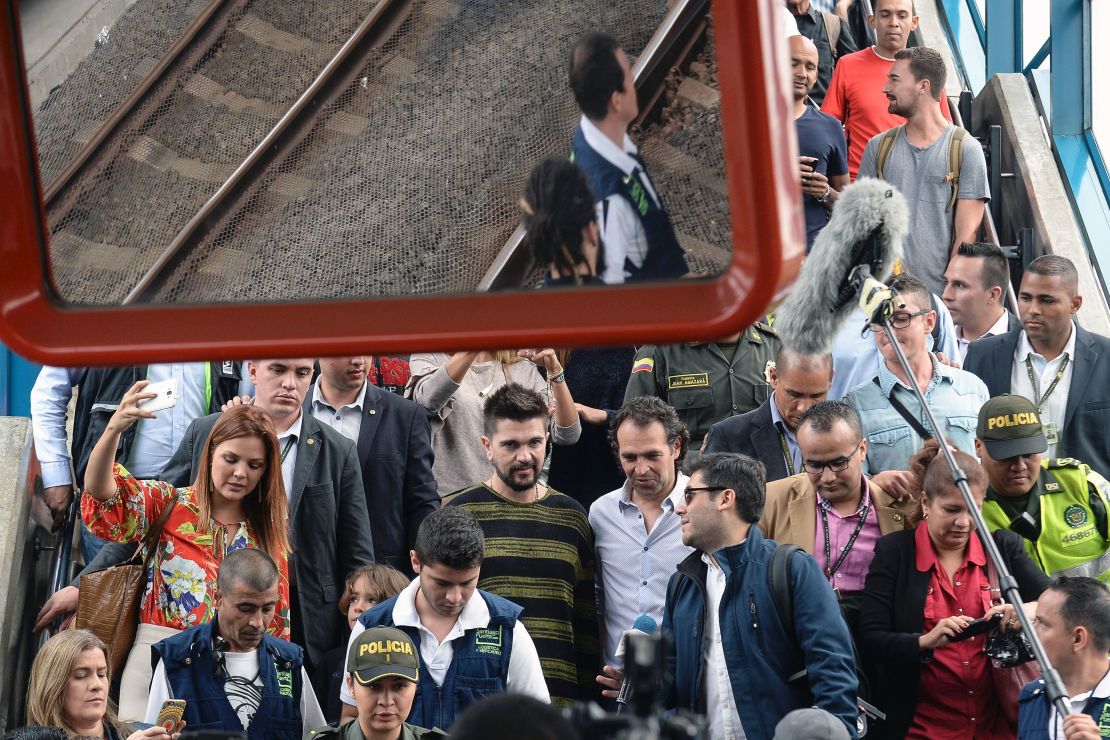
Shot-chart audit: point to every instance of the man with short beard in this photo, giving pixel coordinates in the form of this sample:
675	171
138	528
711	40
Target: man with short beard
539	547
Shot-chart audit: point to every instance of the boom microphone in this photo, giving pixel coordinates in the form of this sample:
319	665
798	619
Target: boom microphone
644	625
862	241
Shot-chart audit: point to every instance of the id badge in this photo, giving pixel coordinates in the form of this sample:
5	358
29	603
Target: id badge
1051	433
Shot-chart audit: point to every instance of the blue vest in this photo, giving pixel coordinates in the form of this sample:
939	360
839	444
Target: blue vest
191	673
479	667
665	258
1034	711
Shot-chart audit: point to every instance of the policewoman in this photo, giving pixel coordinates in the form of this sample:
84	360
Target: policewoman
1059	507
706	382
383	670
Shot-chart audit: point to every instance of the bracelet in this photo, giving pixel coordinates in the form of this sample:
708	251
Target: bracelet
823	199
560	378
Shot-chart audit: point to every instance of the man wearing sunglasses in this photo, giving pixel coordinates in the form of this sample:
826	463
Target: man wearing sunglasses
893	421
831	509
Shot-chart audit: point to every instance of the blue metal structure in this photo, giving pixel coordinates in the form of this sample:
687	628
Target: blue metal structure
16	378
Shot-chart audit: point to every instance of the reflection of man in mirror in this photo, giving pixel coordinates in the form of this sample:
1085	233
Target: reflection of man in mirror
639	239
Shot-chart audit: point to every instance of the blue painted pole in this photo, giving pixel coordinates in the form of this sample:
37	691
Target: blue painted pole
16	378
1003	31
1070	28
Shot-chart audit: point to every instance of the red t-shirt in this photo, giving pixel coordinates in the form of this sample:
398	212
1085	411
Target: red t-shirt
856	99
956	698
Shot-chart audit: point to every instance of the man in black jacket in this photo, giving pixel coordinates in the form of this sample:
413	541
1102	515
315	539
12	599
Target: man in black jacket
1061	367
394	443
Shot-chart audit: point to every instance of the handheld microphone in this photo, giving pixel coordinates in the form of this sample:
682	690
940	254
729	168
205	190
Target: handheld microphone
644	625
852	254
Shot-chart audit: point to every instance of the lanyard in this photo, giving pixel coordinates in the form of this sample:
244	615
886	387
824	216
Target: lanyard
830	570
288	446
786	454
1038	399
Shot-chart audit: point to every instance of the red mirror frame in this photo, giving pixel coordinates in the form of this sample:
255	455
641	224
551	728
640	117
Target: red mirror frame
766	220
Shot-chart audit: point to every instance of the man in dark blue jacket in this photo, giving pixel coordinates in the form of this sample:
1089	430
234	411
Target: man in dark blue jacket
730	655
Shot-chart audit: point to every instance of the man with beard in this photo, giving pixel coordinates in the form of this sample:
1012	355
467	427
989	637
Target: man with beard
539	547
472	643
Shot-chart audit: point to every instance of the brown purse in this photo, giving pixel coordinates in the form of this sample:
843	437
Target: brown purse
109	600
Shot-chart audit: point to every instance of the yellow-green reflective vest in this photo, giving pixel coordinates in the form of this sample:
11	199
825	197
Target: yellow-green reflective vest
1070	541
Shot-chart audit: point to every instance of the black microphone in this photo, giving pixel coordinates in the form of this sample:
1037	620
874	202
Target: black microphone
644	625
853	254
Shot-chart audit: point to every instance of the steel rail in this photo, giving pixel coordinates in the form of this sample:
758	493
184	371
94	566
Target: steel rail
671	43
210	20
336	76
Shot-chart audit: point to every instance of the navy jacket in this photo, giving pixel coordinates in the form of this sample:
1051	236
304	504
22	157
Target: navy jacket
752	434
191	672
1034	711
395	456
1082	435
758	652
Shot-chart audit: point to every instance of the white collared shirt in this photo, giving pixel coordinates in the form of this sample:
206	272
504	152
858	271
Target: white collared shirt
347	419
289	464
525	675
1000	327
1055	409
720	702
622	233
1101	691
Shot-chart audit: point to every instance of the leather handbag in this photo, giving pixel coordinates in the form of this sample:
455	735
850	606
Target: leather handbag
109	600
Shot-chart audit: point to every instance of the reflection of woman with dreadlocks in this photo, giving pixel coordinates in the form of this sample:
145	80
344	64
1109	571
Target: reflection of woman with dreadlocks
561	219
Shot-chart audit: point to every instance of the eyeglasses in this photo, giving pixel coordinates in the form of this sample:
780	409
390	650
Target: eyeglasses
836	465
689	493
899	320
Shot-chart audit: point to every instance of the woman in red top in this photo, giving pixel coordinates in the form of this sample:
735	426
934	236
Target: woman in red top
924	587
237	500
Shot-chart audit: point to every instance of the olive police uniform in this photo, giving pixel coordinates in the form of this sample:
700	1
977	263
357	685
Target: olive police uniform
703	381
352	731
1062	521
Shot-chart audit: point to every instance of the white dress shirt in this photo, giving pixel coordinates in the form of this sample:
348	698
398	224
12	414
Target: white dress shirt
723	716
1055	408
347	419
525	675
292	437
1000	327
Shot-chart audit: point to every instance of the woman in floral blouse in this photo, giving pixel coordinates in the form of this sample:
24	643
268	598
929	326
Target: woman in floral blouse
237	500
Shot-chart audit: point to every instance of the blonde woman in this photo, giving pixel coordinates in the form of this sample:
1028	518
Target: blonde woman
69	689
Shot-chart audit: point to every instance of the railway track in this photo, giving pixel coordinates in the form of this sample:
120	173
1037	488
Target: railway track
388	162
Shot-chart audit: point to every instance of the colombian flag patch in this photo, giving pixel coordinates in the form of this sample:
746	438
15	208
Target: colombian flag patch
647	364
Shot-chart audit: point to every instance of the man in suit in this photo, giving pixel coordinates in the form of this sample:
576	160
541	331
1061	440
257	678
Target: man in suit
394	443
1061	367
768	433
832	510
975	290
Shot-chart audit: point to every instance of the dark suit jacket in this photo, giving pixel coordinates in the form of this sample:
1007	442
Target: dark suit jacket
1083	433
327	513
752	434
893	617
395	456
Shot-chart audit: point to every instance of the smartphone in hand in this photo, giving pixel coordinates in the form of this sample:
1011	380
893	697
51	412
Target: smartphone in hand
978	627
165	395
171	714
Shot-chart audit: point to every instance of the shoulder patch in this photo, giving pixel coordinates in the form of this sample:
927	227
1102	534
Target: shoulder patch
1063	462
643	365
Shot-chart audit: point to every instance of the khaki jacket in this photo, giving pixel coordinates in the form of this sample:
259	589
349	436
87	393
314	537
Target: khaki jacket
790	514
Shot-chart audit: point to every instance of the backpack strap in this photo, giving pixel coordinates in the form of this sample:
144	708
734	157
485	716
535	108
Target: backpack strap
782	593
832	30
955	160
885	145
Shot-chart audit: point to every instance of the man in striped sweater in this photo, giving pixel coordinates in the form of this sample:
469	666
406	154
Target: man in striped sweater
539	547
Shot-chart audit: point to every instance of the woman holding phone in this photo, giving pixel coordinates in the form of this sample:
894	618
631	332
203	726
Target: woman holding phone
237	500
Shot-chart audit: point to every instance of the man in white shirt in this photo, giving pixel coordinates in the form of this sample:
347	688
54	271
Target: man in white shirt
233	675
974	292
472	643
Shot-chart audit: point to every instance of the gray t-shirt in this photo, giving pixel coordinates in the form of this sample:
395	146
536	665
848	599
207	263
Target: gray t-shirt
918	172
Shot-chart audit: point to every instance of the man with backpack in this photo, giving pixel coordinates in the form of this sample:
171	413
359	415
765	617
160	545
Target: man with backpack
730	642
938	167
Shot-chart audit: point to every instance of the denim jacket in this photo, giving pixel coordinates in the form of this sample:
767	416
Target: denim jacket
954	396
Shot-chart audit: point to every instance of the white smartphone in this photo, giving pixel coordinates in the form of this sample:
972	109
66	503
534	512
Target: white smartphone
166	397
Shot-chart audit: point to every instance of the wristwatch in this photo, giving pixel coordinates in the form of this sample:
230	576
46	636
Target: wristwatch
823	199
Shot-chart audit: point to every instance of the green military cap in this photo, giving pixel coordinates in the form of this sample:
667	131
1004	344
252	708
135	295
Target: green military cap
380	652
1009	426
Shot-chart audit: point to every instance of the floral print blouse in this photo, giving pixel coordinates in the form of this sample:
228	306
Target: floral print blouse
181	583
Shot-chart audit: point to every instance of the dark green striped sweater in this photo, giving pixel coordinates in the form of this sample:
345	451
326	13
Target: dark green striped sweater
541	556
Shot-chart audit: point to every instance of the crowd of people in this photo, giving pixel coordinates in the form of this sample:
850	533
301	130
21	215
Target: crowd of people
365	548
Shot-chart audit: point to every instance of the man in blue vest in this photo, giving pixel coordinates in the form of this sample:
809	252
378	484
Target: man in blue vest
472	643
640	243
232	675
1073	622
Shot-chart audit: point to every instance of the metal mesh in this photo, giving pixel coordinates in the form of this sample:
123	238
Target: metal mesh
409	183
186	137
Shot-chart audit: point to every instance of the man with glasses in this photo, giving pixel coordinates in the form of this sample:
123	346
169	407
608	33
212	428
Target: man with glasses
894	424
831	510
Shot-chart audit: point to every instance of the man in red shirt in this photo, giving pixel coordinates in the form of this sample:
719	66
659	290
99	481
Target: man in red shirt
855	95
